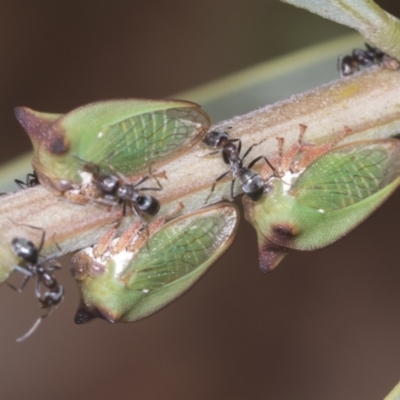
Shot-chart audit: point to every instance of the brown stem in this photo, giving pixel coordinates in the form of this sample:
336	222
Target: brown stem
367	103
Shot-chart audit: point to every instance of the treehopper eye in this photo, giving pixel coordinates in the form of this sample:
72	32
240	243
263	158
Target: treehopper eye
116	135
328	199
124	280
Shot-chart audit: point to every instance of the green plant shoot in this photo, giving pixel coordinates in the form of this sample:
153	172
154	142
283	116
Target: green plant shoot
324	202
131	277
117	135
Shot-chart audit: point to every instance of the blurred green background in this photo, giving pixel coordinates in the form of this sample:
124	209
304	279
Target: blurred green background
323	325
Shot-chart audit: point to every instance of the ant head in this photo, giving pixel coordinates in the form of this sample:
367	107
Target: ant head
214	139
25	249
346	66
107	184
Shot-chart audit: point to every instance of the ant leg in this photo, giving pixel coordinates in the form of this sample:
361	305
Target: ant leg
235	140
138	214
267	161
57	245
239	148
32	177
141	180
23	271
145	178
232	187
41	240
14	287
251	148
24	282
53	266
105	202
53	256
19	183
211	192
155	178
213	153
215	182
123	177
149	188
38	293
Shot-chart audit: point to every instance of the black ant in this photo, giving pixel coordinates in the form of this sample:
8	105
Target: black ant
359	59
251	181
48	291
31	180
112	190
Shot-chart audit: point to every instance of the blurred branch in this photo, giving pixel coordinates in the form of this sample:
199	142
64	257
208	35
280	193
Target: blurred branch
394	394
376	25
367	103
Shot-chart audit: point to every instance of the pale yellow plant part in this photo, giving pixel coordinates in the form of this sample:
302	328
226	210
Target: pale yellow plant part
394	394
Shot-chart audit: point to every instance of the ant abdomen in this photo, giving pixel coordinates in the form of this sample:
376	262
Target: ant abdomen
107	184
252	184
149	204
53	298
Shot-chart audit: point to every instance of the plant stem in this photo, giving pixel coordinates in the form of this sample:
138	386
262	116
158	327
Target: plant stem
367	103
